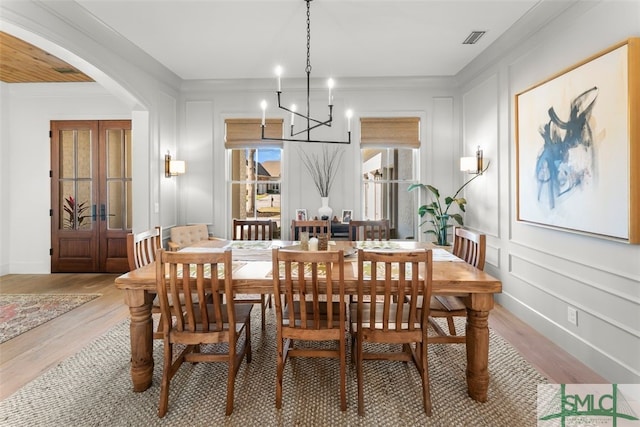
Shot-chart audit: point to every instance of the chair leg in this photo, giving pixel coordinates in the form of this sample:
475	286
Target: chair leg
247	337
230	380
166	379
279	372
343	376
452	326
262	311
426	392
359	374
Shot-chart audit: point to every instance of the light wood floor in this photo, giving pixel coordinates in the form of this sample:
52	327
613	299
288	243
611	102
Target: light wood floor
29	355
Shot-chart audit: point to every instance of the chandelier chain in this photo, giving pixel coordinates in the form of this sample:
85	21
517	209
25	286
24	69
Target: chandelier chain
308	69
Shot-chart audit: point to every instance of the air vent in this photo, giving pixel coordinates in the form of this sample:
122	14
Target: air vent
63	70
474	37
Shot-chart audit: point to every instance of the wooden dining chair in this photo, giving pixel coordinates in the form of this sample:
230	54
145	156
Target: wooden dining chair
141	251
315	227
142	247
384	278
253	229
369	229
303	282
216	323
471	247
244	229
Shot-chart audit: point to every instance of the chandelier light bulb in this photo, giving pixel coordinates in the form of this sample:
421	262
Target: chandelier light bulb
330	84
263	105
279	73
349	115
293	110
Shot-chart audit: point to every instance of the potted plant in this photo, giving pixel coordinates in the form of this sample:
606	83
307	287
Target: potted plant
438	211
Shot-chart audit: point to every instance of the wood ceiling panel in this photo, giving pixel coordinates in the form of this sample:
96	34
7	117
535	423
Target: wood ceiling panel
21	62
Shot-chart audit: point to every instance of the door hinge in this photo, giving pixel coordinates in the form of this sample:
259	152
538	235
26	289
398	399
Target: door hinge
51	251
50	212
50	174
50	134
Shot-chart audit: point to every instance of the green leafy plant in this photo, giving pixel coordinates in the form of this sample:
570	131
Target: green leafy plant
438	211
75	213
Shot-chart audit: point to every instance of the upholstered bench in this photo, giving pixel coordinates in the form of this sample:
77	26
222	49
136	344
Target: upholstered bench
186	235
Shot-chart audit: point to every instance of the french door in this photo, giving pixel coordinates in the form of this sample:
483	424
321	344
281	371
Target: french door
90	195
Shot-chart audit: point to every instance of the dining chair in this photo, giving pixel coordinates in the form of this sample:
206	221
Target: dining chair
470	247
141	251
244	229
303	282
253	229
387	277
216	323
142	247
315	227
369	229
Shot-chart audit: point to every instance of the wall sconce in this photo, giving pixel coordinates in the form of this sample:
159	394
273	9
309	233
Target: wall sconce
377	175
473	165
173	167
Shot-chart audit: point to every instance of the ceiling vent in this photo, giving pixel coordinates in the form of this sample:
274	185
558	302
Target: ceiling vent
473	37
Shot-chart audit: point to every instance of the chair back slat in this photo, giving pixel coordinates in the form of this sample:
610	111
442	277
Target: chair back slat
306	280
407	274
470	246
142	247
250	229
184	275
369	230
315	227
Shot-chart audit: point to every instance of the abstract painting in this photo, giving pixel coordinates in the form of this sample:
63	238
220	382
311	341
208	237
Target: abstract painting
577	147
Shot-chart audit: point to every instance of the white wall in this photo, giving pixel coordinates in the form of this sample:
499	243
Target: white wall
203	191
544	271
4	180
31	108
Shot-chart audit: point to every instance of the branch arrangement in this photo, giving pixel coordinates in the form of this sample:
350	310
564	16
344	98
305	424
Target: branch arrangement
322	167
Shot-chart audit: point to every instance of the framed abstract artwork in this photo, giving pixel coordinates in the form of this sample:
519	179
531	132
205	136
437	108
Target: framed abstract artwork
578	147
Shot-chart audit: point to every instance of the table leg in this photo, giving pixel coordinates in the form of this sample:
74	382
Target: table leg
141	333
477	330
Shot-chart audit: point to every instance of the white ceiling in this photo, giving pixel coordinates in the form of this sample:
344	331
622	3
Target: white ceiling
221	39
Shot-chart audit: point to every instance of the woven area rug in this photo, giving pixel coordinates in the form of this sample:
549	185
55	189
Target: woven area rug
22	312
93	388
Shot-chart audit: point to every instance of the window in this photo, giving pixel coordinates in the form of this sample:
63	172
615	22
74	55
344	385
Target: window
389	154
255	178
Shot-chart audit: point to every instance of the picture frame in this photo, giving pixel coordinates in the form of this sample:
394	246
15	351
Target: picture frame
347	215
578	147
301	214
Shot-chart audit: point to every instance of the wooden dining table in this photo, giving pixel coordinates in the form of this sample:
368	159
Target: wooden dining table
252	275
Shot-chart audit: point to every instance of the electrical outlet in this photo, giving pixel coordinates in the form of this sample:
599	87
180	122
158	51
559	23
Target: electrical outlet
572	315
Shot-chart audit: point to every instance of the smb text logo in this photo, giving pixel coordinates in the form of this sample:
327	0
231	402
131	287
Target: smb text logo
585	405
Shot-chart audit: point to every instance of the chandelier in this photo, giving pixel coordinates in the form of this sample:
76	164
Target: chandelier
311	123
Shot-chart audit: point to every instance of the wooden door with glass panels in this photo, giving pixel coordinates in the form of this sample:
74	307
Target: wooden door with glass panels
90	195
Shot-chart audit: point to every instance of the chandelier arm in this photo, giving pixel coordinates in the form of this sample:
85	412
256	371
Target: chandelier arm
307	117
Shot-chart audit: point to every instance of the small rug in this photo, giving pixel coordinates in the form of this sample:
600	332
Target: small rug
22	312
93	388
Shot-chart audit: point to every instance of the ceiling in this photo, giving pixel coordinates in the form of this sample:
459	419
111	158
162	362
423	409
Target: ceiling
231	39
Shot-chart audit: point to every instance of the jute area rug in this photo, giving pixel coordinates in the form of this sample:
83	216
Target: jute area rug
22	312
93	388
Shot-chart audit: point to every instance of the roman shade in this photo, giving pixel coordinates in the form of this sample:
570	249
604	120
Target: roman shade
390	131
243	133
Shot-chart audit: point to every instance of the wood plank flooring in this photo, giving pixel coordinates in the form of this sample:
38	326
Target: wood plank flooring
27	356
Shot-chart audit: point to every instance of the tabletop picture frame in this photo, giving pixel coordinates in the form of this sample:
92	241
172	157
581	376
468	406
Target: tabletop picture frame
301	214
578	147
347	215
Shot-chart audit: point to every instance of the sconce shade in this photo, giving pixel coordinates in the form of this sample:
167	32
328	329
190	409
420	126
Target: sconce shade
173	167
468	164
176	167
473	164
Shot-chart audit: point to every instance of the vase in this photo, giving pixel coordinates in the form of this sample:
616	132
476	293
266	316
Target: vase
325	211
443	229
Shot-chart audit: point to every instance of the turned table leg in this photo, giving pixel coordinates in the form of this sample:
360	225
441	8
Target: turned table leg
141	332
477	330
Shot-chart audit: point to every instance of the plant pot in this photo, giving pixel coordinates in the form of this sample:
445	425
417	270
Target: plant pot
325	211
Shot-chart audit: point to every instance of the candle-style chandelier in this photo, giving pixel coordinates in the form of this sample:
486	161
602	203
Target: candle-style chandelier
310	121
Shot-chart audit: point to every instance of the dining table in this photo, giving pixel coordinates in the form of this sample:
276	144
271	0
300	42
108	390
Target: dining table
252	274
